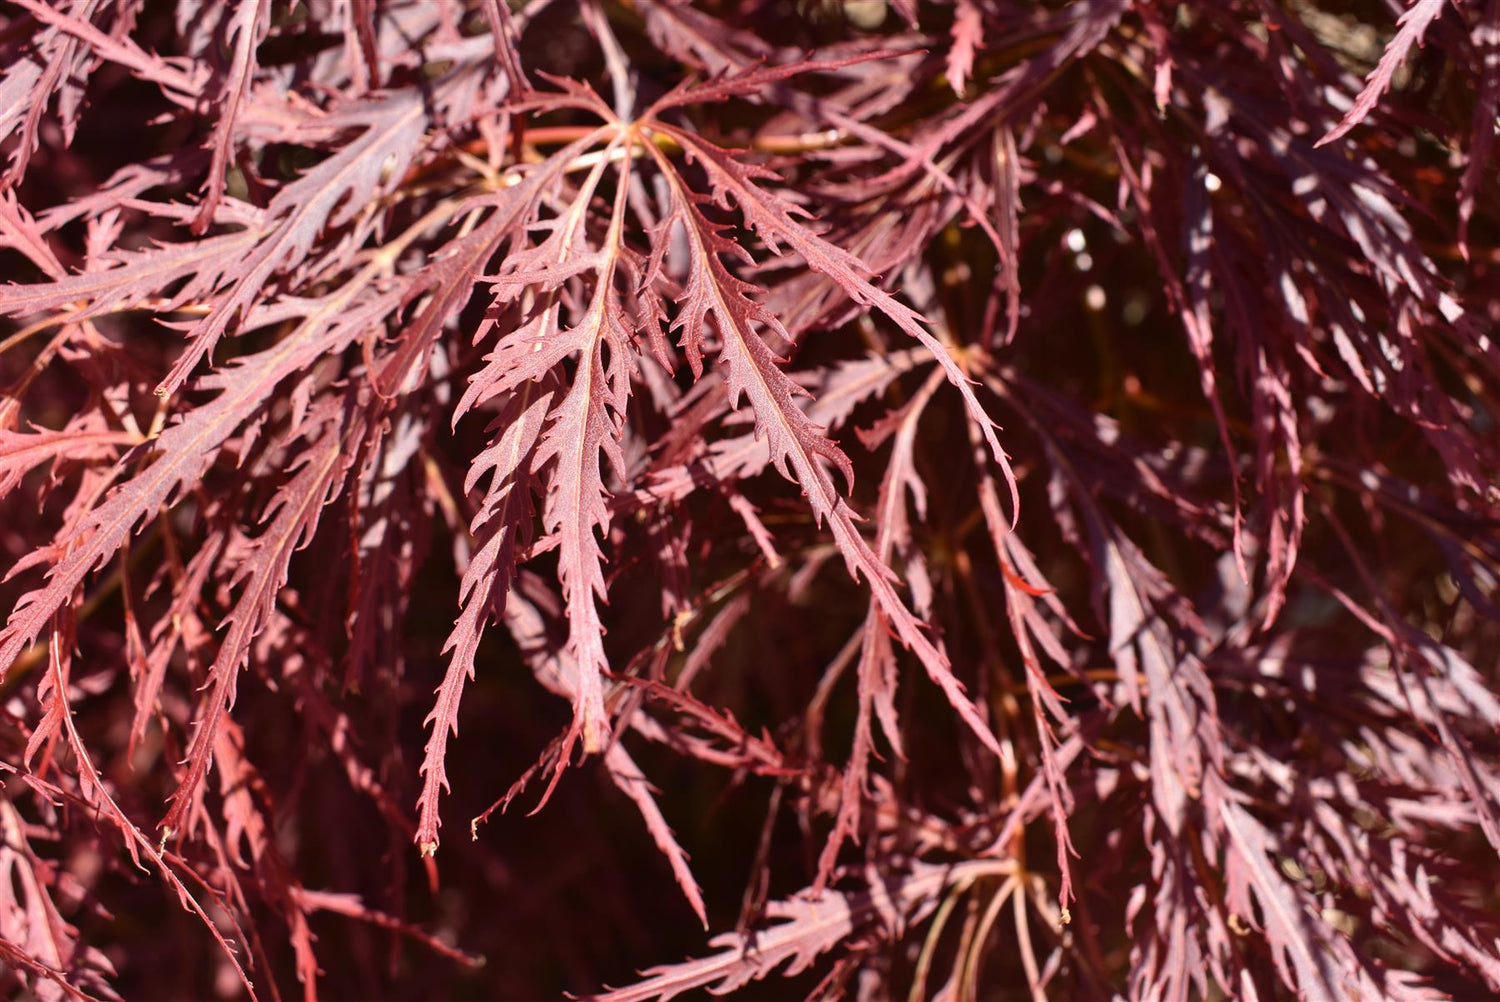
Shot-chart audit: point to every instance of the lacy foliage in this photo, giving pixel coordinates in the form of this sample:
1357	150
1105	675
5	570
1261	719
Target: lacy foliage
1035	463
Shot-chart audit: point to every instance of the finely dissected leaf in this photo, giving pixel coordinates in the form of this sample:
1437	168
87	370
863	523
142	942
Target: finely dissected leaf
292	521
559	673
968	34
1413	24
876	672
502	524
137	279
245	30
1304	963
1032	632
21	452
587	421
808	927
798	448
20	231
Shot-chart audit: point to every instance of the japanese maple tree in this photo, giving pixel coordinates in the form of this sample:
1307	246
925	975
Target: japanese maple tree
981	499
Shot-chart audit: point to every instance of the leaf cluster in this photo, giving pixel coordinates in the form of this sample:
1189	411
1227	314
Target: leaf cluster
990	499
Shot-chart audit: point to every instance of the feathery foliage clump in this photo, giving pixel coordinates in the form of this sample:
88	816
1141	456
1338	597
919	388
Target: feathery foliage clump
991	499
